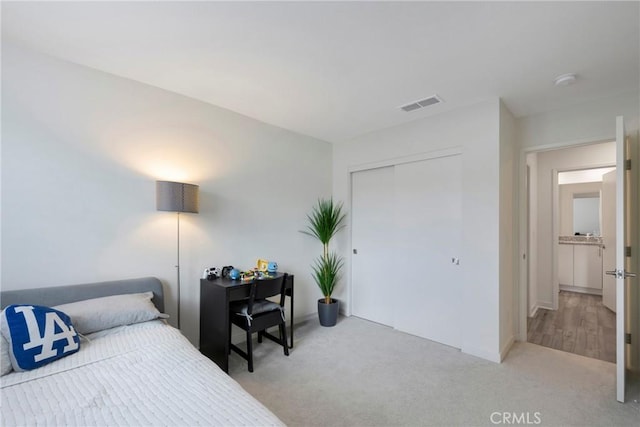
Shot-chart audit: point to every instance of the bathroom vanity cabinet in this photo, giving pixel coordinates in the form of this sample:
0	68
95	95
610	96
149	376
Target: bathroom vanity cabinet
587	266
565	264
580	267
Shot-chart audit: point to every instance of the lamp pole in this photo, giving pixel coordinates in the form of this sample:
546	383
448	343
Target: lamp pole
178	267
177	197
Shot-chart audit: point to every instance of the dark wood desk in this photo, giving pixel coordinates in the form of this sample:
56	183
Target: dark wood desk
215	296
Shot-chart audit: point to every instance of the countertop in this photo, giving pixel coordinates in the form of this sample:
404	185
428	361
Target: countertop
580	240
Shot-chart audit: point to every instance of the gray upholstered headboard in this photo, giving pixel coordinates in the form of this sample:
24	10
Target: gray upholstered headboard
64	294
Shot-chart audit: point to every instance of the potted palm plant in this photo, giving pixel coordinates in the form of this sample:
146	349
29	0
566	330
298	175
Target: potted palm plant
325	220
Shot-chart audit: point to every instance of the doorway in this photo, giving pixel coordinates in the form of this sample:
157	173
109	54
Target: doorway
627	238
565	309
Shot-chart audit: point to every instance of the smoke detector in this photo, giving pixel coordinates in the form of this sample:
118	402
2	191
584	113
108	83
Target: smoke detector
565	79
416	105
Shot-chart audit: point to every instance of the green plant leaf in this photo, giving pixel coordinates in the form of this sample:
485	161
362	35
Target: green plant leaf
326	272
325	220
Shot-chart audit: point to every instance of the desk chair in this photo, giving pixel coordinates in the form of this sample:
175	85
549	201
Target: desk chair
257	314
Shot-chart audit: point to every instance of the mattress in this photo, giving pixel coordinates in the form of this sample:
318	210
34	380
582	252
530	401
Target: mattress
136	375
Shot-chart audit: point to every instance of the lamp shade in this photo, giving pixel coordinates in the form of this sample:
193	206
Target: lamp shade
177	197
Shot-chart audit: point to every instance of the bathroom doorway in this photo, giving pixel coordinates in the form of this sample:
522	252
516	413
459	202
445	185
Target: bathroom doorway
565	303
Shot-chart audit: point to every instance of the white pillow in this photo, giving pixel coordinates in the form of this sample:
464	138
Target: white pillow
96	314
5	359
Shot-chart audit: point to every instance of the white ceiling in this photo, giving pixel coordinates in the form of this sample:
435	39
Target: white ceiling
338	70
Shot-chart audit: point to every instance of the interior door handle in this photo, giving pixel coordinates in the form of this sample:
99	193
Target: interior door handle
620	274
613	273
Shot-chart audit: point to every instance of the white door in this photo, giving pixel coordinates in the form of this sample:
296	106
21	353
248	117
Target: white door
372	223
623	276
428	212
608	206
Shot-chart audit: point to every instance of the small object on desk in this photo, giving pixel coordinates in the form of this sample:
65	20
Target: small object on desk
272	267
211	273
226	270
262	264
234	274
248	275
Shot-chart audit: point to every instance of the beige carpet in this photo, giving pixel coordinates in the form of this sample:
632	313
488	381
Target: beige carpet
359	373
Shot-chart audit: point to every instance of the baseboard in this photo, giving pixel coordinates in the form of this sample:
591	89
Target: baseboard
581	290
305	318
534	311
545	305
491	357
507	347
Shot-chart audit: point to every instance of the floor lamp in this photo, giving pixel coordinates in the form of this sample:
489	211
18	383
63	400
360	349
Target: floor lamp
177	197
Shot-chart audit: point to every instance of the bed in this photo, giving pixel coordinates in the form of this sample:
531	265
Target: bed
145	373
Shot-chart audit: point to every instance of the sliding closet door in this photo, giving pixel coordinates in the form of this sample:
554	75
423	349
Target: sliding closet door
372	259
428	212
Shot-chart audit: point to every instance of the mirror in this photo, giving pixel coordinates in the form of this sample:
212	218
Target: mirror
586	213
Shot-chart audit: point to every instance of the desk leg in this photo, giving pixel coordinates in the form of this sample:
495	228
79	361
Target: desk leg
291	326
214	325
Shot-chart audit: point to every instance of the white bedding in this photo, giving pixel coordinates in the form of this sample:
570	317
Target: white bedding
137	375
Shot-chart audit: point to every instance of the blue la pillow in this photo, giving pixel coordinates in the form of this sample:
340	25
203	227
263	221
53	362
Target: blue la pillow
37	335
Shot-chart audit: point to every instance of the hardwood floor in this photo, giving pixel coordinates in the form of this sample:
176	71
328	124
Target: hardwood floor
581	325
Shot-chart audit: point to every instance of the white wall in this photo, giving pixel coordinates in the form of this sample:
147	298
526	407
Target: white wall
81	153
584	123
475	130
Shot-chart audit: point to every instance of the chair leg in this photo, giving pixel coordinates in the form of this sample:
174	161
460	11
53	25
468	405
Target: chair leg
260	336
250	351
283	338
230	324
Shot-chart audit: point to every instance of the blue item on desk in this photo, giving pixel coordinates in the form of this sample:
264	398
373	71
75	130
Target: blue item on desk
234	274
226	270
272	267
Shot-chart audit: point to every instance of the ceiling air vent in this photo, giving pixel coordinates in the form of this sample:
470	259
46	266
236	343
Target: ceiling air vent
432	100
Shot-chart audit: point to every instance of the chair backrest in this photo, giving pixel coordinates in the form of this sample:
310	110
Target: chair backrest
265	288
